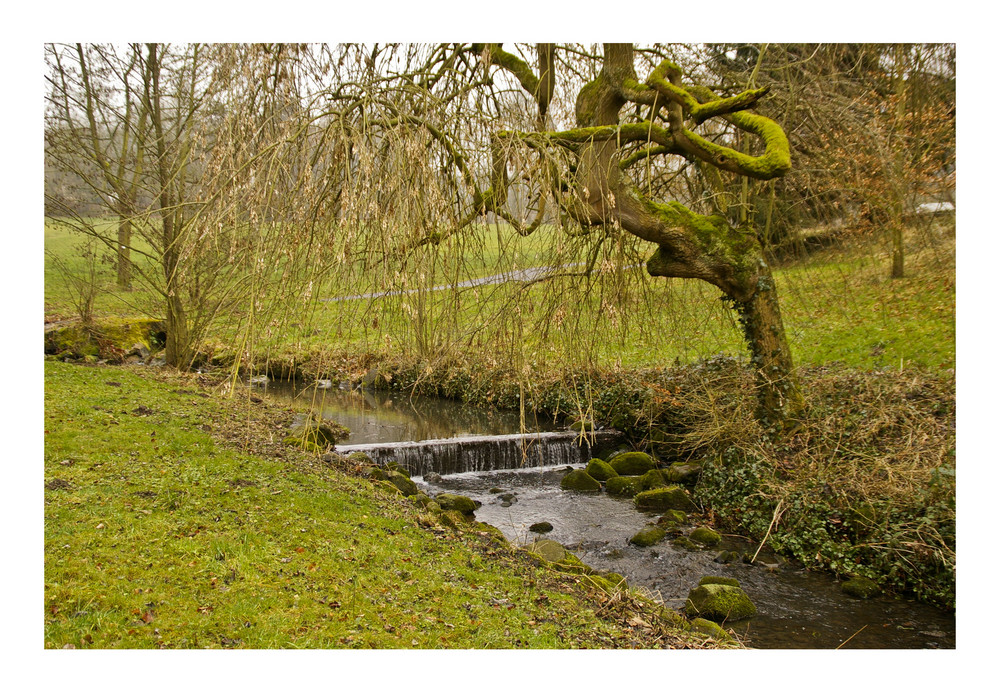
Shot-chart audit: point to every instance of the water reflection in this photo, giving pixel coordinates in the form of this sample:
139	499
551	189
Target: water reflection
388	416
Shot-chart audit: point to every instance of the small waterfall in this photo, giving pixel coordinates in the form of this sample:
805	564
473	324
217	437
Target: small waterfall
483	453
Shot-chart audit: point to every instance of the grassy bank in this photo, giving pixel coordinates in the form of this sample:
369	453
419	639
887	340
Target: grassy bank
176	518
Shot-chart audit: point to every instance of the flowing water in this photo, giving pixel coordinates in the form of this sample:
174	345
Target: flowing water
796	609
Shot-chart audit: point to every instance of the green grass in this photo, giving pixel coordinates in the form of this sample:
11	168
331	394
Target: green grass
174	518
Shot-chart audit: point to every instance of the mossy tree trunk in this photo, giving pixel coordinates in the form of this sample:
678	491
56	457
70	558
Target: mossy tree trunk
689	245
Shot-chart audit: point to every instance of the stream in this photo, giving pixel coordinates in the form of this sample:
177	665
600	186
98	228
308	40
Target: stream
797	609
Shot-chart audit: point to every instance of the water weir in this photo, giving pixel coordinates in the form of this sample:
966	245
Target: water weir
482	453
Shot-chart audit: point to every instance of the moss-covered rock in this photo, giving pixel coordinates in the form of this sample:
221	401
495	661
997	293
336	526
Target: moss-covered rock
652	480
673	618
600	470
706	536
682	473
316	433
114	339
556	554
648	536
548	550
614	578
718	580
462	504
402	482
395	466
624	486
422	499
632	464
667	498
719	603
582	425
541	528
572	564
490	531
677	516
709	628
685	543
454	518
579	480
860	588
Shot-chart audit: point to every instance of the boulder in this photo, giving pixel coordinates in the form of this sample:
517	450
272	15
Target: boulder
555	553
685	543
579	480
402	482
719	603
860	588
667	498
462	504
454	518
706	536
488	530
541	527
624	486
548	550
600	470
648	536
397	467
682	473
632	464
317	433
709	628
653	480
677	516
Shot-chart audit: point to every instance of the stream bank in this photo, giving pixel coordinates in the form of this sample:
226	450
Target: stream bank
797	608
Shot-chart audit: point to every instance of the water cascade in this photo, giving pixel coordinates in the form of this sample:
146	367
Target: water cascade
481	453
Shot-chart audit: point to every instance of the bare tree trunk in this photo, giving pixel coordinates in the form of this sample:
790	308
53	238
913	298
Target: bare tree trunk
123	254
896	233
178	341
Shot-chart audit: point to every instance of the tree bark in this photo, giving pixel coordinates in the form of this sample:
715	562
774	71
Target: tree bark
123	254
779	396
689	245
178	342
